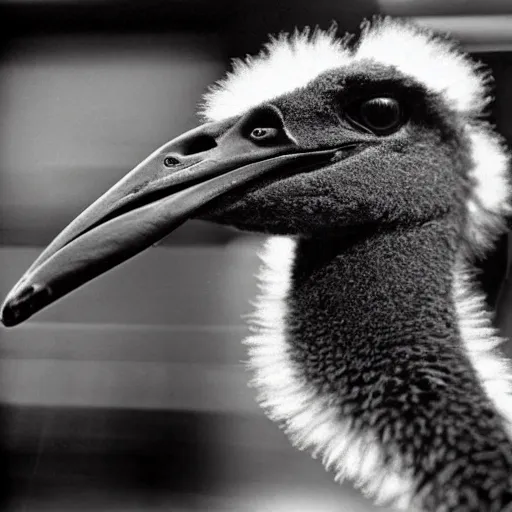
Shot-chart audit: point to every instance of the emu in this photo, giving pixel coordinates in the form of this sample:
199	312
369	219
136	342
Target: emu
373	171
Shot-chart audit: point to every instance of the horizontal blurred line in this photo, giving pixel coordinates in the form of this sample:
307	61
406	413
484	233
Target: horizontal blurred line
178	286
476	33
127	384
119	16
443	7
129	430
123	343
128	327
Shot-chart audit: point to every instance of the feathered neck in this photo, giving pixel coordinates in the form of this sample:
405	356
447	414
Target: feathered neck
375	353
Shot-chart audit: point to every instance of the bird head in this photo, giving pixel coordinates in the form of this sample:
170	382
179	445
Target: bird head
313	137
386	147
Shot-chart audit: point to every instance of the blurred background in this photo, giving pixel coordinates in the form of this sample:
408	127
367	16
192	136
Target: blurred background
131	394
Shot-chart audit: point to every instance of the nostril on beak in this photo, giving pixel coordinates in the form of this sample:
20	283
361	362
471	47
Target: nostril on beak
171	161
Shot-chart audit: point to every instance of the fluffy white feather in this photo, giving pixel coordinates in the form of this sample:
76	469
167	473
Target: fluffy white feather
481	341
490	192
285	64
307	416
289	62
428	58
488	205
308	419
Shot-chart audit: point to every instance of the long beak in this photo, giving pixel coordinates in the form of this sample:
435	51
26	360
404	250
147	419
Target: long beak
156	197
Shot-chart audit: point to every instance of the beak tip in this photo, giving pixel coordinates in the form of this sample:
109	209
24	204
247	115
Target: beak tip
24	304
10	316
7	319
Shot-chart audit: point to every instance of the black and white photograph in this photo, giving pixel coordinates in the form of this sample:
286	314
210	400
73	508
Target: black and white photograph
255	255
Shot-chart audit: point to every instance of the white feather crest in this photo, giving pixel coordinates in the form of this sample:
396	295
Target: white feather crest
289	62
285	64
430	59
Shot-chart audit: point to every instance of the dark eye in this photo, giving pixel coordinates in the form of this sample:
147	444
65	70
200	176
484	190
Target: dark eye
380	115
263	134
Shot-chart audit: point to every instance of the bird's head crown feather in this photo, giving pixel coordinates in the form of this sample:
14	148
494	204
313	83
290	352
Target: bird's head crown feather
290	61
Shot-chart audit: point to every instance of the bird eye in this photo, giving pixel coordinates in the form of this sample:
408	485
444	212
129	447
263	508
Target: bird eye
263	134
380	115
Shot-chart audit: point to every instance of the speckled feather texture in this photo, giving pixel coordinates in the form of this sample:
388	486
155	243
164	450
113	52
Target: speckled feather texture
344	421
309	411
311	421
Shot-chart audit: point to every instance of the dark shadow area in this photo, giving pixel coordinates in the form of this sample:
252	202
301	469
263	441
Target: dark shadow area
7	487
106	452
